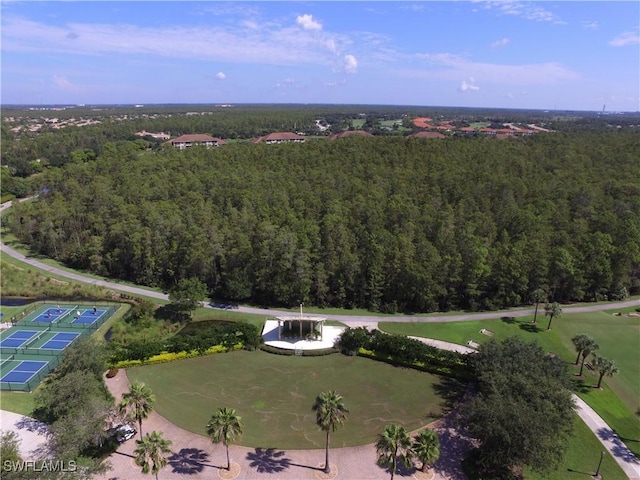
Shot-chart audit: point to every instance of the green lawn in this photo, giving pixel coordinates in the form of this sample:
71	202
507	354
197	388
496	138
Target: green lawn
462	332
581	459
618	337
17	402
619	340
274	394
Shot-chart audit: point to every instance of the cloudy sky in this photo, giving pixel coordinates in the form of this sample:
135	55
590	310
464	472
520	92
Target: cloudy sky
507	53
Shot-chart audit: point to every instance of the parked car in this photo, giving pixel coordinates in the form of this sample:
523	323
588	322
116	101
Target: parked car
123	432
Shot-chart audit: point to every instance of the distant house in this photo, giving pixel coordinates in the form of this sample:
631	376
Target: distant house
280	137
189	140
159	136
349	133
427	135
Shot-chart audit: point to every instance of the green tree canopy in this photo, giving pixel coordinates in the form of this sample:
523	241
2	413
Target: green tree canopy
187	295
523	411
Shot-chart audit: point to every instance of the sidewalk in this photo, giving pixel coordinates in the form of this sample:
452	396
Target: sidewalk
618	450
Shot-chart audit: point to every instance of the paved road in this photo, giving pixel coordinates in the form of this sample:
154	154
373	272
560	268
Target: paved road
347	319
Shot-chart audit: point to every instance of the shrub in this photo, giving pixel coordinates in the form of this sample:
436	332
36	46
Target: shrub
112	372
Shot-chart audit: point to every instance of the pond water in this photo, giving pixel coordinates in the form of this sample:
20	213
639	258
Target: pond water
14	302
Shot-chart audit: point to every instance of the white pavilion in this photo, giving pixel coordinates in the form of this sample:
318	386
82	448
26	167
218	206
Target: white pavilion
300	332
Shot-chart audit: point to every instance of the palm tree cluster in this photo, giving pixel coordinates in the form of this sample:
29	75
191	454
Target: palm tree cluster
585	346
395	447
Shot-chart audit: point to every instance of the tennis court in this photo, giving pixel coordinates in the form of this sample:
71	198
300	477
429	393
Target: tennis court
60	341
33	347
51	315
88	317
22	371
19	338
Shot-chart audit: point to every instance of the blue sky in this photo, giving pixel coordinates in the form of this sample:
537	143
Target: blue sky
507	54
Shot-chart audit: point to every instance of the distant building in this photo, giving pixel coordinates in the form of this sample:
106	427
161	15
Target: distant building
349	133
159	136
190	140
280	137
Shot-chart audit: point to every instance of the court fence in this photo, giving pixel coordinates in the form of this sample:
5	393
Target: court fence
34	381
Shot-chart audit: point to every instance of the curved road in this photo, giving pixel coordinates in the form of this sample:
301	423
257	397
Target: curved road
347	319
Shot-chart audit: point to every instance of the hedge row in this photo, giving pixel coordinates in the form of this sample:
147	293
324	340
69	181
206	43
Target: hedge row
460	373
404	351
173	356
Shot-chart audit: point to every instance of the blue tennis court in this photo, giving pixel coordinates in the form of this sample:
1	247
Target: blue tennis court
24	371
18	338
60	341
88	317
51	315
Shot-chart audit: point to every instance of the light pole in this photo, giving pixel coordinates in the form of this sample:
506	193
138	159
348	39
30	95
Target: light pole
597	474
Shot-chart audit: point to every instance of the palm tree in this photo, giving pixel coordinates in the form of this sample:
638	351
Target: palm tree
538	296
587	350
552	310
330	414
580	341
225	425
139	401
394	444
150	452
604	366
426	447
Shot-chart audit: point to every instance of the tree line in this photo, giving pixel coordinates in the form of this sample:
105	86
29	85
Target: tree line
387	224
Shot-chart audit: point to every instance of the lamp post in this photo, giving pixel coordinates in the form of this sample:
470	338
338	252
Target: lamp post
602	454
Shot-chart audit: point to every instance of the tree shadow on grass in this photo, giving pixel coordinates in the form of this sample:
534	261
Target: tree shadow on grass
578	471
530	327
189	461
509	320
451	391
579	386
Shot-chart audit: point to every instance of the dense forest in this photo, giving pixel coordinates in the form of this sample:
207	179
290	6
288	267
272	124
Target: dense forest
385	223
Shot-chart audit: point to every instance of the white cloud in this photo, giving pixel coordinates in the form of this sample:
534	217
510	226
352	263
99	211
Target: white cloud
624	39
220	76
590	25
308	23
527	10
500	43
350	64
446	66
469	86
62	82
268	44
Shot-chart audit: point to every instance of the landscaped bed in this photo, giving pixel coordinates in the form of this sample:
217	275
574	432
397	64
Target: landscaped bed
274	394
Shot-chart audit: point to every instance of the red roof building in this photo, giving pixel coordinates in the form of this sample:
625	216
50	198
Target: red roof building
280	137
189	140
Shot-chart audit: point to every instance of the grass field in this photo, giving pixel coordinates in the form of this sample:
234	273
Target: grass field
581	459
17	402
462	332
274	394
618	337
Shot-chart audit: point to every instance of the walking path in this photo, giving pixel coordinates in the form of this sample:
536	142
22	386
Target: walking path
196	457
